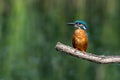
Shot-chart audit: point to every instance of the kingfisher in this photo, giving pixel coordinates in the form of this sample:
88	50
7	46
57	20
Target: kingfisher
80	38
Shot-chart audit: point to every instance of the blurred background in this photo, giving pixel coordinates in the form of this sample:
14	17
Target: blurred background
30	29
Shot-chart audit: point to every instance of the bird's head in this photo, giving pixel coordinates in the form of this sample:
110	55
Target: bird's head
79	24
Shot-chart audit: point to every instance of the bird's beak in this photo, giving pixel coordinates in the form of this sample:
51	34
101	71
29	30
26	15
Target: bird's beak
70	23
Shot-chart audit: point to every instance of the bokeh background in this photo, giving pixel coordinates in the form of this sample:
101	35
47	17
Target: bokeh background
30	29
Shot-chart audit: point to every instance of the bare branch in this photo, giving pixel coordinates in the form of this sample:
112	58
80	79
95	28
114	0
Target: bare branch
87	56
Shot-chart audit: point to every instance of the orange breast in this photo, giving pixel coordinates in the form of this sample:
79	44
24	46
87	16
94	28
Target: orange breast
80	40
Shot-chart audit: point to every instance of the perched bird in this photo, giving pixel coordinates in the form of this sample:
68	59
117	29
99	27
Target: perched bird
80	39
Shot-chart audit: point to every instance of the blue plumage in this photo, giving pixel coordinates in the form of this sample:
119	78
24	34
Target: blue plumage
81	22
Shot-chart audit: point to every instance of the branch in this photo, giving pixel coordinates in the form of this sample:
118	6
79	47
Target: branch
87	56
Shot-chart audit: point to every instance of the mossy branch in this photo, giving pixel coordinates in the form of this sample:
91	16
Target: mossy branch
87	56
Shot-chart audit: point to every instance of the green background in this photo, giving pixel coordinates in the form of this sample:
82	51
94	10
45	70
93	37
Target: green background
30	29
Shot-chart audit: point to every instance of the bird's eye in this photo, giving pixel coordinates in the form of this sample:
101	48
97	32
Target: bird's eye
77	23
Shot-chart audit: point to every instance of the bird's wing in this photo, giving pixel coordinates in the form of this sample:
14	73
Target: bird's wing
85	44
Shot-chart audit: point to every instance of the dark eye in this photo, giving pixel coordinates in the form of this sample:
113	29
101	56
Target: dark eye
77	23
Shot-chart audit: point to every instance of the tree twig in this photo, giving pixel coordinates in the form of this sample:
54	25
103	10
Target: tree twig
87	56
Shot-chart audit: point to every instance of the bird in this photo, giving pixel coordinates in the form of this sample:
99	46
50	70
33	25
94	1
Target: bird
80	38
